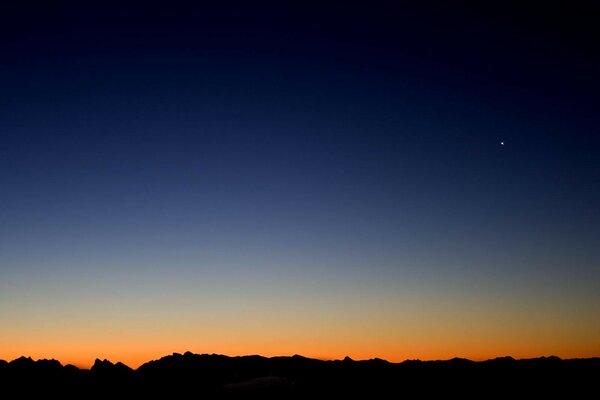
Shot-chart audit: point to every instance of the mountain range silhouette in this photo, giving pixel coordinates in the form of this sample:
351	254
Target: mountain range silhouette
216	375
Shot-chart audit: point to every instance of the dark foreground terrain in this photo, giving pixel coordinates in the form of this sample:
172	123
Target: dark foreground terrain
210	376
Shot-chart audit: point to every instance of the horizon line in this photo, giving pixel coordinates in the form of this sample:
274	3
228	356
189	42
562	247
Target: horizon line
345	359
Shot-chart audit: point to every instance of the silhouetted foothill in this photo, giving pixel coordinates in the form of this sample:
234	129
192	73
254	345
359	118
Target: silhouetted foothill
37	368
22	362
105	366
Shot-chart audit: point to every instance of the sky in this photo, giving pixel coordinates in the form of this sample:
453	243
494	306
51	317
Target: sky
351	179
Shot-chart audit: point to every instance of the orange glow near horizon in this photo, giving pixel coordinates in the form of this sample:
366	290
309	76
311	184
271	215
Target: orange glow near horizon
272	320
134	351
86	360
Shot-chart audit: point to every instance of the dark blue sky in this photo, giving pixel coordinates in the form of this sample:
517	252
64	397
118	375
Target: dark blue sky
341	146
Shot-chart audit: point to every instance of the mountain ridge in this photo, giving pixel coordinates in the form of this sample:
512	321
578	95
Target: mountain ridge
100	364
103	363
216	375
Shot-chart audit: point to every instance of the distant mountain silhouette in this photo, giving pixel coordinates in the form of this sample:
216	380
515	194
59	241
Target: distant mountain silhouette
217	375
